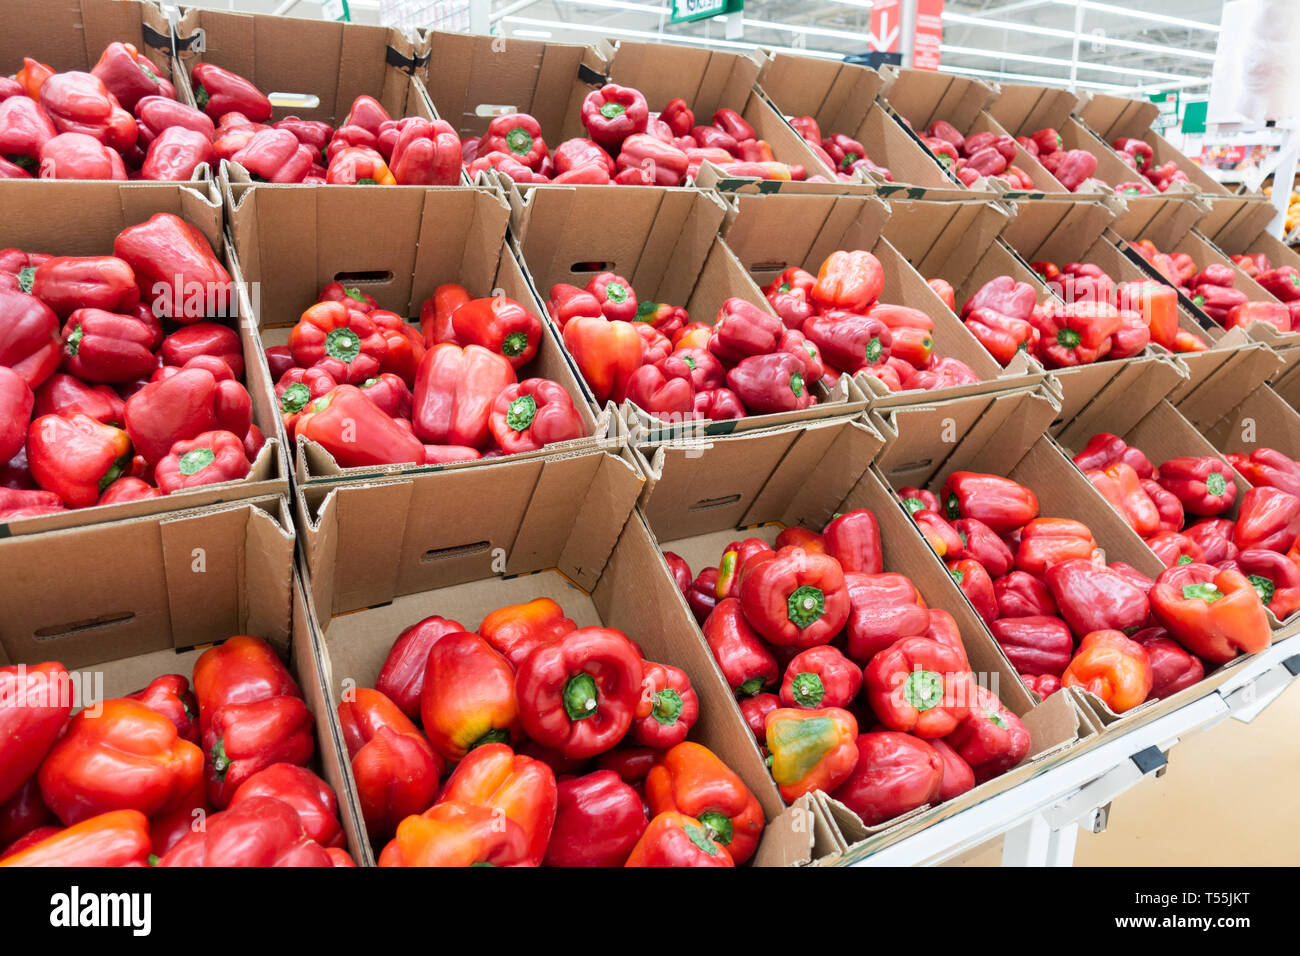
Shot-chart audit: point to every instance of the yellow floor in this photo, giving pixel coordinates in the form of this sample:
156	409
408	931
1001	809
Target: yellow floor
1227	799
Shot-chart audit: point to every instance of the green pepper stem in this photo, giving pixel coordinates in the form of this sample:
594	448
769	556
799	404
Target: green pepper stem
580	697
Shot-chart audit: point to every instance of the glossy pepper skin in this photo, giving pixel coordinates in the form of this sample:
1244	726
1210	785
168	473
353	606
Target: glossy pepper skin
25	128
810	749
1021	594
535	413
1267	518
251	714
1120	485
127	758
259	831
820	677
500	325
982	544
919	686
939	534
1269	467
853	539
455	389
401	678
175	154
882	609
457	834
1002	504
1204	485
850	280
1113	668
170	695
16	403
342	341
516	630
690	779
768	384
218	91
1276	579
309	795
519	136
206	459
579	694
31	723
667	709
1035	645
179	275
745	661
1092	598
80	103
355	431
76	457
991	740
70	283
893	774
741	330
675	839
794	597
1215	614
598	820
735	556
1045	542
1172	667
976	584
359	166
395	769
613	113
519	787
468	697
118	838
606	352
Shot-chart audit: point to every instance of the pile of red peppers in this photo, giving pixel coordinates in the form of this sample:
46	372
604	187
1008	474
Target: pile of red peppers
978	155
1213	289
373	389
1140	156
842	153
626	144
120	375
851	684
565	745
213	774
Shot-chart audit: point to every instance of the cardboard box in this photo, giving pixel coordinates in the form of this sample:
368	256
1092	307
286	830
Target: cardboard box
1170	223
921	97
665	242
1025	108
1114	116
72	34
786	479
841	97
1043	230
570	532
768	234
398	245
175	584
82	219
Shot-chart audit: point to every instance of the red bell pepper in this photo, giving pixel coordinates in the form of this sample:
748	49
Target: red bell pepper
22	814
613	113
344	342
850	280
1075	333
457	834
1001	335
1213	613
883	609
218	91
703	594
853	539
1172	668
69	283
532	414
455	390
668	707
1173	548
820	677
353	166
690	779
170	695
1021	594
849	341
770	383
982	544
175	269
1217	301
401	678
276	156
519	136
182	405
674	839
1092	598
25	128
1075	166
919	686
105	347
991	740
424	153
64	395
517	630
468	696
1035	645
500	325
1104	449
520	788
918	499
38	699
975	583
1005	296
1002	504
76	457
1204	485
894	774
794	598
175	154
579	694
1282	283
1215	539
16	403
119	838
1268	467
156	113
575	154
310	796
741	330
745	661
606	353
1246	314
206	459
204	338
598	820
259	831
125	757
1114	668
664	163
1267	518
1168	507
1275	577
80	103
1120	485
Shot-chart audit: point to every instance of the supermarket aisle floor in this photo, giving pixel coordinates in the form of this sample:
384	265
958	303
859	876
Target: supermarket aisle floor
1226	800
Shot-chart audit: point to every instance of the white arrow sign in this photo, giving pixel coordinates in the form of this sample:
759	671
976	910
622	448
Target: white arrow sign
887	36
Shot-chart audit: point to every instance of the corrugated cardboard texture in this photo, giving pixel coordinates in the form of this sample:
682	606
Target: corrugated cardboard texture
474	78
1114	116
1218	385
79	218
1137	387
368	543
739	480
129	587
771	233
334	62
1261	420
1024	107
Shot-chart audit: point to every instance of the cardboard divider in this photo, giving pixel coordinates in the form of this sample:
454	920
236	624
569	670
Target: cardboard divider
1112	117
589	552
72	34
824	472
665	242
841	97
1287	381
1214	387
74	218
769	234
398	246
1025	108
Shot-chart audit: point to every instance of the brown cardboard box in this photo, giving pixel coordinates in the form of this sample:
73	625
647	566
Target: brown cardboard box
72	34
841	97
563	533
1170	223
921	97
1025	108
665	242
82	219
398	245
174	585
768	234
788	479
1043	230
1112	117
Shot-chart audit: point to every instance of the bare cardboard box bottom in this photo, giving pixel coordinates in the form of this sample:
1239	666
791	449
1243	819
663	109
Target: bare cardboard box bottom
634	593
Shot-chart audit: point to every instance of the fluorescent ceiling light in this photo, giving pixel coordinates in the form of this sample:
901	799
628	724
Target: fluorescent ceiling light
861	4
1041	80
1138	13
670	37
1056	61
617	5
962	19
799	28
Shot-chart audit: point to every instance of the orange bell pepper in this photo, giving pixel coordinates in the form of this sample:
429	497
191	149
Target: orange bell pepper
469	696
1214	614
1111	666
118	838
849	280
517	630
674	839
689	778
521	788
1048	541
1120	485
457	834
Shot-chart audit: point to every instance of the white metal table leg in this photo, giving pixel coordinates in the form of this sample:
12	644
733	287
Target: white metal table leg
1060	845
1028	844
